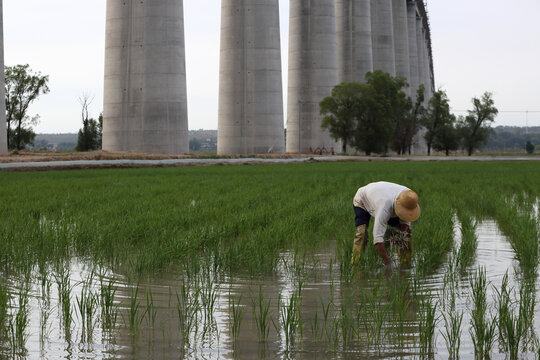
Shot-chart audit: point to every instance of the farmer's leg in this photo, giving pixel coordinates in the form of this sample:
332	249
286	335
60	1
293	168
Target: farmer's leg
361	220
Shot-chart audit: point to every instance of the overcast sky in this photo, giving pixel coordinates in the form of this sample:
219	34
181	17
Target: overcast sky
479	45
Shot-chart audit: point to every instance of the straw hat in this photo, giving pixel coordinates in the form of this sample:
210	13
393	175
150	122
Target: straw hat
406	206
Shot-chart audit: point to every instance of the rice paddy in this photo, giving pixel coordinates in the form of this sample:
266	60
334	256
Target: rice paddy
254	262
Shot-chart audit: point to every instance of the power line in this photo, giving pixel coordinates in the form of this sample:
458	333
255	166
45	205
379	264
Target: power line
507	111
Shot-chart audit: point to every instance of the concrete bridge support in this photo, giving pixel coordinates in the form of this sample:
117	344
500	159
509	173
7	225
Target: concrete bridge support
313	72
354	39
250	114
413	48
401	40
145	98
3	130
382	26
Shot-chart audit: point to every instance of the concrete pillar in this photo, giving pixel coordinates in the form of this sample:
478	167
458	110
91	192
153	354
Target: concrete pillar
313	72
401	40
3	126
420	51
145	98
427	63
383	36
250	110
354	39
413	48
419	143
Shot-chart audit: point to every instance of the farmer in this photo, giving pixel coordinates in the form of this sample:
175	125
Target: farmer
390	204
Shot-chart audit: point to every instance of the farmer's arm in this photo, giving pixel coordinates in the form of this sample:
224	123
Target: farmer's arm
379	228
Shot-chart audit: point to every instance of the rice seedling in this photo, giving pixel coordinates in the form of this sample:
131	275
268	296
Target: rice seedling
235	320
290	318
503	309
44	326
333	334
65	288
4	306
151	310
187	308
482	326
109	310
377	312
135	316
401	302
346	321
514	317
315	327
208	295
452	335
87	304
527	306
18	323
427	324
261	312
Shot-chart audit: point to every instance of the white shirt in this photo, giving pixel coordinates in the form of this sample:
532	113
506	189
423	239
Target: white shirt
378	200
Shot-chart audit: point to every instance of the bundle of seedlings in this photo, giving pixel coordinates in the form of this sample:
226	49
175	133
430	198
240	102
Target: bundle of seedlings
398	239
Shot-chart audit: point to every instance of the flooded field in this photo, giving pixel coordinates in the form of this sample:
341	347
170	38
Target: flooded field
306	310
253	262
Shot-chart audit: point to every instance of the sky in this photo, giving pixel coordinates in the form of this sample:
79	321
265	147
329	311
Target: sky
478	46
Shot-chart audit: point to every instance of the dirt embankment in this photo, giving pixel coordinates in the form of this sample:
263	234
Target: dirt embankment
43	156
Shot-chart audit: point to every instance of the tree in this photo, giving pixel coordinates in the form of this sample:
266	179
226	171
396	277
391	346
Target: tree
194	144
447	138
408	124
89	137
340	110
381	104
22	88
529	147
475	128
437	117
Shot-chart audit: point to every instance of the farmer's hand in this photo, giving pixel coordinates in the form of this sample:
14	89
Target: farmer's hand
389	267
405	227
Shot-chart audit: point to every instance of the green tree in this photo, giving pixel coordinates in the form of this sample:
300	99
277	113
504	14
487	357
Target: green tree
194	144
408	124
380	105
447	138
23	87
529	147
89	137
475	128
437	117
340	111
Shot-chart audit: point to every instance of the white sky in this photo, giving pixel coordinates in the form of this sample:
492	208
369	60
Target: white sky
479	45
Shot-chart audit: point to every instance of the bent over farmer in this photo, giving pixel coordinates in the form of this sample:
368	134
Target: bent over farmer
390	204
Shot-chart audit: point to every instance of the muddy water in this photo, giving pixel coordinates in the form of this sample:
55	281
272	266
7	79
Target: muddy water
148	323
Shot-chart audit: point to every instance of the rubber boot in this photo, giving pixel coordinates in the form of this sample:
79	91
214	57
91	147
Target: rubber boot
405	254
360	241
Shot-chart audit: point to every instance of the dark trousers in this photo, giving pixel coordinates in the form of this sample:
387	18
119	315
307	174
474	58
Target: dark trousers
362	217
